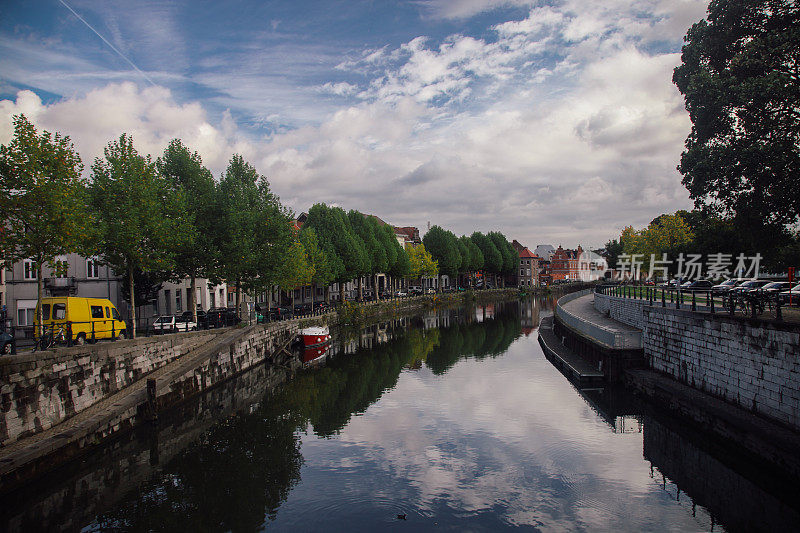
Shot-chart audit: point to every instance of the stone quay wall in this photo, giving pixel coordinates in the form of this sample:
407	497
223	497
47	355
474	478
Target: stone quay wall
41	389
753	364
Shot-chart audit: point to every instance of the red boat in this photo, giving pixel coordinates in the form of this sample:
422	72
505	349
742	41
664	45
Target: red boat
315	354
315	336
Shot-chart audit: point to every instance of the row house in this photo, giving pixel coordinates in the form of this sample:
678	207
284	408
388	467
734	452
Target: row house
76	275
565	264
73	275
528	267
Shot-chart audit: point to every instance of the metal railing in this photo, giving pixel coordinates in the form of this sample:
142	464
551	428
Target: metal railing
754	303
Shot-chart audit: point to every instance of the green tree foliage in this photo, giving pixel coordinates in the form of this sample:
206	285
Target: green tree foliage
334	229
741	86
317	258
296	269
197	255
42	204
612	250
666	234
492	258
509	255
254	233
421	263
476	260
443	247
139	214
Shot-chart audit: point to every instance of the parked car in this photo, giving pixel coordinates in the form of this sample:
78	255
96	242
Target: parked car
724	287
430	290
219	317
164	324
185	323
202	318
773	288
699	285
792	295
280	313
401	293
748	285
414	290
6	339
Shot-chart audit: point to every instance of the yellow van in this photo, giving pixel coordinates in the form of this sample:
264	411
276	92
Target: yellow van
90	318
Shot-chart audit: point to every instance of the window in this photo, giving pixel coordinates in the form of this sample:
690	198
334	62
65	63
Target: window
521	271
61	267
115	314
26	312
213	298
108	314
97	311
178	306
28	270
92	268
59	311
188	299
167	302
45	311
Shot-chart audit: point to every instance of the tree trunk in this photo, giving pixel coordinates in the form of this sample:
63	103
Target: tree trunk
193	299
238	295
39	290
341	293
313	293
360	290
133	303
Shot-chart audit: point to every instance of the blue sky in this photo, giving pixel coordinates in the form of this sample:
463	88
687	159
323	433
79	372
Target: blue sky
550	121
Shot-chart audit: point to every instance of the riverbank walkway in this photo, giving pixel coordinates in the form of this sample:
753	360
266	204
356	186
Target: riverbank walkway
600	328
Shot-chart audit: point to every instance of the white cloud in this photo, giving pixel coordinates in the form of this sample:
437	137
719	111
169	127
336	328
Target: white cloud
563	126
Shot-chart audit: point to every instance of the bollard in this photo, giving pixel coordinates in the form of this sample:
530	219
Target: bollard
778	312
694	303
113	333
151	399
678	300
663	298
69	334
711	299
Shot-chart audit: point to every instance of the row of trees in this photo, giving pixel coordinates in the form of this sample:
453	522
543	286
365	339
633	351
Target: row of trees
153	220
463	256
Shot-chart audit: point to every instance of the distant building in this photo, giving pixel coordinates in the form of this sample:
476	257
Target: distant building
409	234
545	251
591	266
564	264
528	268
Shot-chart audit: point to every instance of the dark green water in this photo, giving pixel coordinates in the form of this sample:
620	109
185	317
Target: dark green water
454	419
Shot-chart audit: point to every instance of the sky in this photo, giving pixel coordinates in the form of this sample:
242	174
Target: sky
552	121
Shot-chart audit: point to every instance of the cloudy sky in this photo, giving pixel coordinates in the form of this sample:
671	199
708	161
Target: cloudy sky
553	121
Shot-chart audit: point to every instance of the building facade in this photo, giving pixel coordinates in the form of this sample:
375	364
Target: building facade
565	264
74	275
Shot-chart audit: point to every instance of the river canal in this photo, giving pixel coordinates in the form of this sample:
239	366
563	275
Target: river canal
454	420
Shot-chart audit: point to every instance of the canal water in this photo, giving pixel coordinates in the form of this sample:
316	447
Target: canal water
449	421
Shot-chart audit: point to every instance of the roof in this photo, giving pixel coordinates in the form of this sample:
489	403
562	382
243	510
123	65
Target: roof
545	251
527	253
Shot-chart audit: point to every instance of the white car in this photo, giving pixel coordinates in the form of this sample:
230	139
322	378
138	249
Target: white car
172	324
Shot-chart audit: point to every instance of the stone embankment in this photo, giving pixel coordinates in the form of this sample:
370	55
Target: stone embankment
753	364
55	405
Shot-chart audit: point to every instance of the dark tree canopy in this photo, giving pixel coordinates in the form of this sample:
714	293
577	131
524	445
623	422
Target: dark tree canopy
740	80
443	247
492	258
506	251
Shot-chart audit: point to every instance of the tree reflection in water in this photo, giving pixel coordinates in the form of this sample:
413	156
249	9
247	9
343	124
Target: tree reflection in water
240	471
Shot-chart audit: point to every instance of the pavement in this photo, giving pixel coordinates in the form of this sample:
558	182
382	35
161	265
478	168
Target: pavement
581	316
583	308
